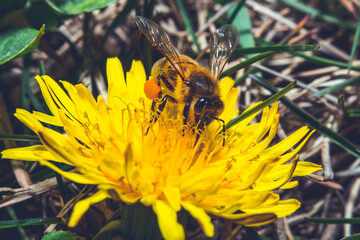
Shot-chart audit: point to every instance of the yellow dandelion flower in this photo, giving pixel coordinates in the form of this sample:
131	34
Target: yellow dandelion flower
167	168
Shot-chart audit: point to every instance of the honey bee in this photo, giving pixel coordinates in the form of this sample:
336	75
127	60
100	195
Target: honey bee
179	80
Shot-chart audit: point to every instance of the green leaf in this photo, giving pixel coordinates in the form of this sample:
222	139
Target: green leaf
262	105
16	43
62	235
29	222
8	6
74	7
48	16
340	86
355	236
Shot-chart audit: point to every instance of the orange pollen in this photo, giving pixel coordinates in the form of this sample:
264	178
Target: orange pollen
152	89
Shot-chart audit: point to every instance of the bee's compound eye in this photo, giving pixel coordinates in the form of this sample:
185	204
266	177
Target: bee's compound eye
200	104
152	89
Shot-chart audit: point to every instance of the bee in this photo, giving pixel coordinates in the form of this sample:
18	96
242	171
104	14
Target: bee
181	82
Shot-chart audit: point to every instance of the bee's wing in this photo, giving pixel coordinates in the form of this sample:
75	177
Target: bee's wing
159	39
222	45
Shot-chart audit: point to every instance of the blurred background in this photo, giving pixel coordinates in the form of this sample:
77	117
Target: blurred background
314	42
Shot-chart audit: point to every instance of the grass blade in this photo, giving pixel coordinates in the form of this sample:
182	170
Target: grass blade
262	105
243	22
42	68
29	222
325	61
13	215
314	59
187	23
355	43
275	48
24	138
25	82
348	112
309	10
337	87
272	48
251	233
236	11
246	63
311	120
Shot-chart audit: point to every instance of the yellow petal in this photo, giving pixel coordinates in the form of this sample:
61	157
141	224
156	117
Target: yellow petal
226	85
28	119
305	168
280	181
167	220
81	207
32	153
83	100
60	98
173	197
286	144
281	209
201	216
149	199
289	185
46	94
230	102
76	177
116	79
286	207
47	119
136	78
250	219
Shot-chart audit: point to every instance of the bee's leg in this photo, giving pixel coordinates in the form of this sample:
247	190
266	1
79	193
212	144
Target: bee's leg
223	130
199	127
186	111
160	108
162	105
153	104
186	114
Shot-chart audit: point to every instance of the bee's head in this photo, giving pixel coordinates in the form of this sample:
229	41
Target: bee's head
208	108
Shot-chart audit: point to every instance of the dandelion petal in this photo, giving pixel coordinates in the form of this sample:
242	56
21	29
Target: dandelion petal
81	207
201	216
167	219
